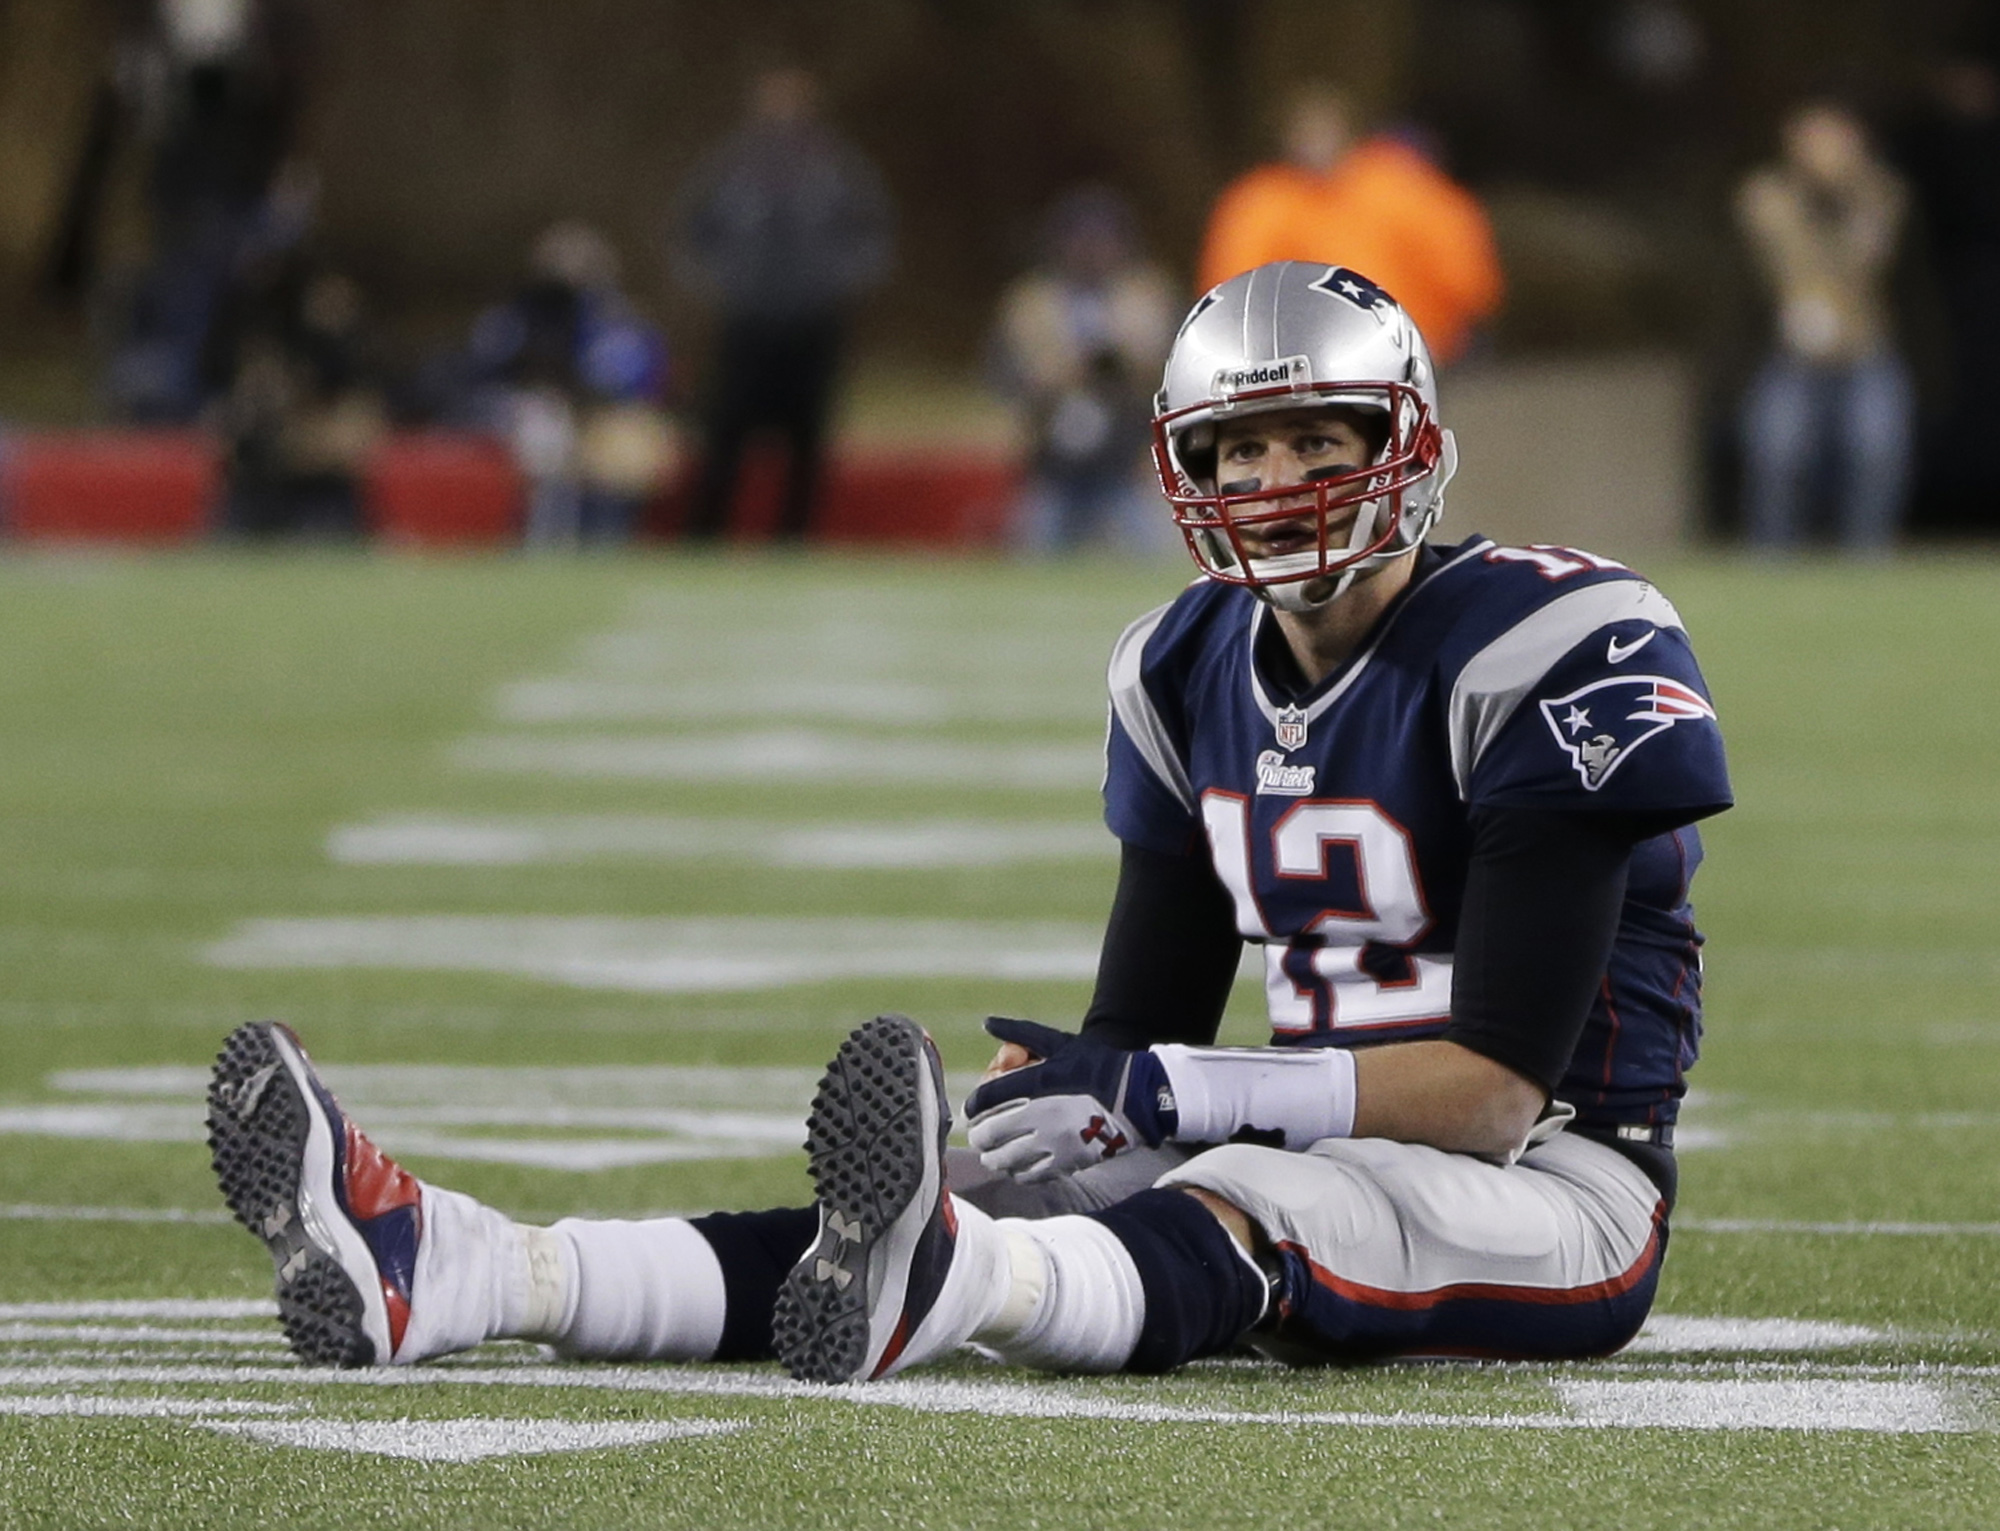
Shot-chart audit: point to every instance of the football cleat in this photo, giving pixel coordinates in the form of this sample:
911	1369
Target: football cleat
342	1220
876	1140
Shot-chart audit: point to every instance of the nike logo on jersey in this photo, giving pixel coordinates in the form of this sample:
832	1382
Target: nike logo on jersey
1618	653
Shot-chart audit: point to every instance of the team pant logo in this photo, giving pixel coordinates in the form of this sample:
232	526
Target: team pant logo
1601	725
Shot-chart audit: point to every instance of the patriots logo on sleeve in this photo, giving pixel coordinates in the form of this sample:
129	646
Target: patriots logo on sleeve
1601	725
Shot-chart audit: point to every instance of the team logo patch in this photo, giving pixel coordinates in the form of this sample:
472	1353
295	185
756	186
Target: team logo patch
1276	778
1601	725
1291	728
1339	282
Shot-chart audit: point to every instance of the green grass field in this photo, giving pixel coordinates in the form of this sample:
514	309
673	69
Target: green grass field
581	840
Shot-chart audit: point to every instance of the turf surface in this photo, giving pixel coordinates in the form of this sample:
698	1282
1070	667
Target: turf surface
182	737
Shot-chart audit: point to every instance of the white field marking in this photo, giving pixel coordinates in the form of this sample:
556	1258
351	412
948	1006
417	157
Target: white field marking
1672	1334
1890	1408
26	1212
502	1091
589	699
1894	1406
1857	962
443	840
120	1123
783	756
97	1406
740	1135
1039	652
1837	1230
667	956
1695	1138
673	1114
131	1334
144	1307
469	1440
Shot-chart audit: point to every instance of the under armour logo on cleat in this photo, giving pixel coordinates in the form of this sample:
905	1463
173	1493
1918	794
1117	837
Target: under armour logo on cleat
839	1275
247	1094
842	1228
294	1263
279	1220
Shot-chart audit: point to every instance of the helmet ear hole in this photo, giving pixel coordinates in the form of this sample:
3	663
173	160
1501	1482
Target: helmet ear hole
1195	447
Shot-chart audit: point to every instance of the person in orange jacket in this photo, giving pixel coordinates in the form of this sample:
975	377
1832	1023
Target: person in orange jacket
1376	206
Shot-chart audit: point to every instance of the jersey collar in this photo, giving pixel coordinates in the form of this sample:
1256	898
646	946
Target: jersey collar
1314	701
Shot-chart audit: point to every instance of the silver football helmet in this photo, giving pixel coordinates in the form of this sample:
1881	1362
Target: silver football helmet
1291	335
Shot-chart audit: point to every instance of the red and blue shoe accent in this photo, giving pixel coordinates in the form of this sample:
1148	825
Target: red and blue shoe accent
887	1230
341	1219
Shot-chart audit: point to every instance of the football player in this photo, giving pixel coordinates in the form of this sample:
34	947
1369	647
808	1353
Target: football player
1448	789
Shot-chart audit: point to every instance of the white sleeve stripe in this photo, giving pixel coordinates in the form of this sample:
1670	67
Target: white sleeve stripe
1134	708
1493	683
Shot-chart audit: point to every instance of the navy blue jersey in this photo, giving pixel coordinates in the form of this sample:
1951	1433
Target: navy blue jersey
1339	816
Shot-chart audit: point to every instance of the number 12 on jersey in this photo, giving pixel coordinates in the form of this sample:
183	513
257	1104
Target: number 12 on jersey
1331	968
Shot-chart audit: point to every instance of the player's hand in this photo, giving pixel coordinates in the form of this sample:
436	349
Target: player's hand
1012	1055
1077	1103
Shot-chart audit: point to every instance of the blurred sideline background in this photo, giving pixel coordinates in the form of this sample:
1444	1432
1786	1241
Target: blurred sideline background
411	158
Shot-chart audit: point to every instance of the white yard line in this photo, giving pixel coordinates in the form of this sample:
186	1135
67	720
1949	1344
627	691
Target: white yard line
667	956
469	1440
1836	1229
922	844
477	1089
127	1334
1890	1407
29	1212
1674	1334
97	1406
780	758
790	696
473	1114
140	1308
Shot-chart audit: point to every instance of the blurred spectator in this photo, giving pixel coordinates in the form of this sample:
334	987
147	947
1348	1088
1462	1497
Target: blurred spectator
572	378
783	226
213	86
301	408
1833	398
1952	155
1081	342
1377	205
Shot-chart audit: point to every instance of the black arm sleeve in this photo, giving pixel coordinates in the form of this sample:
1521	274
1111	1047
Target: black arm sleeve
1543	895
1170	953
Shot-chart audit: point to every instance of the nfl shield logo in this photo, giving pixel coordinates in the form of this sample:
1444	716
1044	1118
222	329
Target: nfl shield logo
1291	728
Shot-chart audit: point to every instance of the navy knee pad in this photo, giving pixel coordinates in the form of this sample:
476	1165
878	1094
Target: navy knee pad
1201	1292
755	1250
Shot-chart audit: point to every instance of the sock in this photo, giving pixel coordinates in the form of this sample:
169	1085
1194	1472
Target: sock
480	1275
1201	1290
977	1285
651	1290
1076	1301
755	1250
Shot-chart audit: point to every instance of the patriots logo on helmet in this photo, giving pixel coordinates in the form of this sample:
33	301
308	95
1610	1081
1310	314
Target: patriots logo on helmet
1339	282
1601	725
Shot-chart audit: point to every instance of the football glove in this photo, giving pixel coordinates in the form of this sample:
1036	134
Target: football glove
1079	1104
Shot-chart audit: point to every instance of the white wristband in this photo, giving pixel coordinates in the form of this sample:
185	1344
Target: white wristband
1303	1093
